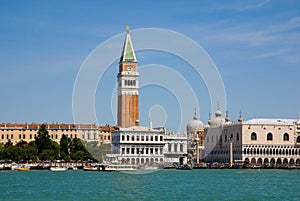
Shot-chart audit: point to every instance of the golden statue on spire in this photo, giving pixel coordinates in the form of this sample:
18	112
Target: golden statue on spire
127	28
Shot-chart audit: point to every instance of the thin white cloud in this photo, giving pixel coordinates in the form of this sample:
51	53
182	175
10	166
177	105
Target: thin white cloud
280	39
242	5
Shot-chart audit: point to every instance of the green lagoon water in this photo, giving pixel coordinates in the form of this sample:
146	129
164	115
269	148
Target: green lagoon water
160	185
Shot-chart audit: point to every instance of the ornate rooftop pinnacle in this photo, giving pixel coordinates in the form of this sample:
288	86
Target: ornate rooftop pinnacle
227	119
195	115
240	119
128	51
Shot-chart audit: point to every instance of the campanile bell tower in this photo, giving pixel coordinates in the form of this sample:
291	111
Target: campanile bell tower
128	85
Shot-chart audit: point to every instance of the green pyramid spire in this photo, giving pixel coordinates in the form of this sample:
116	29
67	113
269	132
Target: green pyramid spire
128	52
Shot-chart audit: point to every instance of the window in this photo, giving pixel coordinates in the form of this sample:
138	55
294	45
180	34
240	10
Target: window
298	139
20	136
253	136
132	138
108	137
2	136
127	137
286	137
270	137
30	136
137	138
237	137
156	138
161	138
175	147
12	136
24	136
123	138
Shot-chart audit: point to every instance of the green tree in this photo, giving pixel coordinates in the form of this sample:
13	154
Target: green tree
21	143
2	149
13	153
50	154
76	145
78	151
42	140
64	147
8	143
30	151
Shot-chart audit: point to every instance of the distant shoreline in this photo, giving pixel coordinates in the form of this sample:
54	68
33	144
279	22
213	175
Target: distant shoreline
80	165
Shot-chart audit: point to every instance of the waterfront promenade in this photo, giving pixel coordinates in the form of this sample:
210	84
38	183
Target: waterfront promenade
80	165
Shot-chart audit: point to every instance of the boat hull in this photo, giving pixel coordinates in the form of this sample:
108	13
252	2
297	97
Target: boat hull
184	167
58	169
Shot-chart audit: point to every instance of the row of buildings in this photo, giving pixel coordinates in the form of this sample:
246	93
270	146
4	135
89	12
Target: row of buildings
15	133
255	142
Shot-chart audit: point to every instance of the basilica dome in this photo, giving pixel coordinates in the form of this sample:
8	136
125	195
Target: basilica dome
217	120
195	124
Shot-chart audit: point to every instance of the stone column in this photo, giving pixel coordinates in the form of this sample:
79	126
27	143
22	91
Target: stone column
231	155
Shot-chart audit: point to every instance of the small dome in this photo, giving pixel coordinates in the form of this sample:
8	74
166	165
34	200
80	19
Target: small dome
218	113
195	124
218	119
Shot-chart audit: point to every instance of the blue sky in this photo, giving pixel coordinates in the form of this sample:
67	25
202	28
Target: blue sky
254	44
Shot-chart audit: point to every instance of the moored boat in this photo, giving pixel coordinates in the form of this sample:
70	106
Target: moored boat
120	167
2	166
23	168
150	168
184	164
90	168
58	169
184	167
13	166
